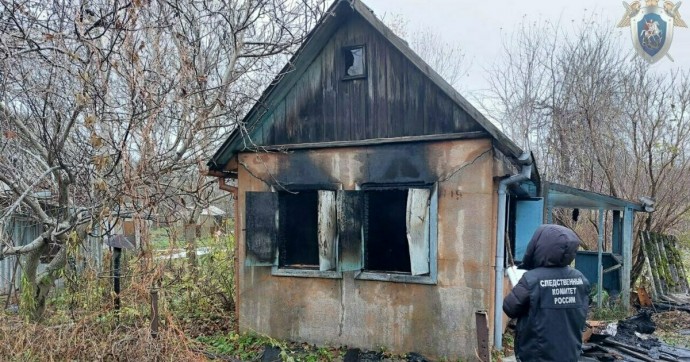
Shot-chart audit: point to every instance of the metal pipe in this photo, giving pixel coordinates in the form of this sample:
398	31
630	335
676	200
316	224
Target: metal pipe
225	187
526	161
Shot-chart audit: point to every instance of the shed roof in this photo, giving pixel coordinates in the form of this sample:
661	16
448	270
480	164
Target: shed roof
339	11
562	196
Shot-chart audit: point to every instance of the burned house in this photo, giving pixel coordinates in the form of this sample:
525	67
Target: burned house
371	198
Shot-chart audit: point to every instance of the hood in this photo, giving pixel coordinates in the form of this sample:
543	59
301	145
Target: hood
550	246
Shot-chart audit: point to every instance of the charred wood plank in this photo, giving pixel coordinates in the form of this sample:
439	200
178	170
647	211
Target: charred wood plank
621	353
680	353
636	349
350	213
666	307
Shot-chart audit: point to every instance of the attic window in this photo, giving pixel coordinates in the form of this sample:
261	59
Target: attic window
355	62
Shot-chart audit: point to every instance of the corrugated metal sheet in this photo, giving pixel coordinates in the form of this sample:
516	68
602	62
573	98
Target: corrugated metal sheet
664	269
22	231
6	271
93	252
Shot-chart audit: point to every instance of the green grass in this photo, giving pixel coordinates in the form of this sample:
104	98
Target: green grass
244	347
610	313
250	346
160	239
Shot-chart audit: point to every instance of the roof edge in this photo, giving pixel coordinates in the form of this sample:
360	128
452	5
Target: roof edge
548	185
279	82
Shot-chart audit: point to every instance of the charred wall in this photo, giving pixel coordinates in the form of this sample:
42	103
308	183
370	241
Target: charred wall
436	320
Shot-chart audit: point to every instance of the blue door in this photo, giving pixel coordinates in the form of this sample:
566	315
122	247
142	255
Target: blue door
528	217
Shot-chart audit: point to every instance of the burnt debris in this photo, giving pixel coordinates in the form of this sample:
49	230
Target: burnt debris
631	340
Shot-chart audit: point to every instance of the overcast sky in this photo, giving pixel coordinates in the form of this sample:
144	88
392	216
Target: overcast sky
480	27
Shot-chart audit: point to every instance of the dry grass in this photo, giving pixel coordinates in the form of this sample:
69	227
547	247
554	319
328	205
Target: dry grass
80	323
91	339
77	329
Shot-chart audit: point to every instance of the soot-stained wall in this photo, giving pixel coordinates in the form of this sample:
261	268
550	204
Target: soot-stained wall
435	320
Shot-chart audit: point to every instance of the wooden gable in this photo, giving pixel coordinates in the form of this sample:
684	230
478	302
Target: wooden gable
395	99
399	97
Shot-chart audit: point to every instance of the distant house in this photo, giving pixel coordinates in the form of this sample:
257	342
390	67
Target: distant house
373	200
207	222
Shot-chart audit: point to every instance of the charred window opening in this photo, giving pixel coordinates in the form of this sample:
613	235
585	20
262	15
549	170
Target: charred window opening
294	232
397	231
355	62
299	247
386	237
385	233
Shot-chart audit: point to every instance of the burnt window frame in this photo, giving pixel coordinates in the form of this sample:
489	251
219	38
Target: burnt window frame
287	271
432	224
365	68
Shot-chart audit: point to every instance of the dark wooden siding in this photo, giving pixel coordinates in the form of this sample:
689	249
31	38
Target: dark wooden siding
394	100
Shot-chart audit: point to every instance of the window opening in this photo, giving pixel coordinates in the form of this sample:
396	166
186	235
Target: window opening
355	62
299	247
386	239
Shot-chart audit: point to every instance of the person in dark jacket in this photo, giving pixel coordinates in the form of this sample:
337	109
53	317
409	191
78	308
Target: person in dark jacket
551	299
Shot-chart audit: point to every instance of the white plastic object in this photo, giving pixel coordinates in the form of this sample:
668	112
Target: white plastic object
514	274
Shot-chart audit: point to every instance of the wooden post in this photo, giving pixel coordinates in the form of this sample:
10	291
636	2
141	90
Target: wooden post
627	256
600	272
482	328
154	312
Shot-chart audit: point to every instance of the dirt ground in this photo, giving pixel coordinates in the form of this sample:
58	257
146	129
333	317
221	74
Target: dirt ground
673	327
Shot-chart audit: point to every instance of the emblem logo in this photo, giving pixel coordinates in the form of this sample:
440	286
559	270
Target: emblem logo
652	27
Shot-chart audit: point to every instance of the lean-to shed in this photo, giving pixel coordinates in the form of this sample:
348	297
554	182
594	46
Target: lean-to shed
371	199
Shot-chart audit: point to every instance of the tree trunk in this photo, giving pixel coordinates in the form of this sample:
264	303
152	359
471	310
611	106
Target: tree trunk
31	262
45	281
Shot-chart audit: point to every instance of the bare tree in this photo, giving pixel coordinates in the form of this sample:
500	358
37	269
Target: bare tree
112	107
446	58
596	118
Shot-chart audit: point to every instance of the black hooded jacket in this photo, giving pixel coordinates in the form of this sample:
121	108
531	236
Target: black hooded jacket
550	300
